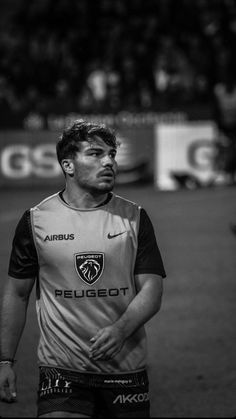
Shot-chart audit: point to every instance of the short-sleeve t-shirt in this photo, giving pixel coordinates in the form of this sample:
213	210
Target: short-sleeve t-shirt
85	261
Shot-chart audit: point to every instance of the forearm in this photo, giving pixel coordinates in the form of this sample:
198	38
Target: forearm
141	309
13	318
109	340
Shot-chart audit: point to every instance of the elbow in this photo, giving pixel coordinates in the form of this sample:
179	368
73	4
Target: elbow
157	305
157	301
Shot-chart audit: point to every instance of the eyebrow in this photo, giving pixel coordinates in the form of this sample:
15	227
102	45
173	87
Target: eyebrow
98	148
94	147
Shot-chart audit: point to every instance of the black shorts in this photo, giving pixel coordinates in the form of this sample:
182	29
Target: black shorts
96	395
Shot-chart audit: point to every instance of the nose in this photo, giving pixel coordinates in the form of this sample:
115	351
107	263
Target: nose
107	161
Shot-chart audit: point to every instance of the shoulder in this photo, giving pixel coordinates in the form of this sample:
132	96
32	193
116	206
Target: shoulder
124	202
23	225
47	203
124	208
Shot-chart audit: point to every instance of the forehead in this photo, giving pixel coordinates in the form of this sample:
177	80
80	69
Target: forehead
95	142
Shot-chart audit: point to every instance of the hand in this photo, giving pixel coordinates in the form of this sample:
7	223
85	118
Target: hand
106	343
7	384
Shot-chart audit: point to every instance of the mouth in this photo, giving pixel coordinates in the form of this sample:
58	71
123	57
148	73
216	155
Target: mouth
107	174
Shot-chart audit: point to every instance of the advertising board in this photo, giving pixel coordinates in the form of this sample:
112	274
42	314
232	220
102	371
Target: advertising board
184	151
28	158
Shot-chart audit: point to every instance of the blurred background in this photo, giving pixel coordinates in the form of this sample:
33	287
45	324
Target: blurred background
162	73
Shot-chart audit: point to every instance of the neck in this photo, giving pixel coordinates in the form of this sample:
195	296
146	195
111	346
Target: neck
83	199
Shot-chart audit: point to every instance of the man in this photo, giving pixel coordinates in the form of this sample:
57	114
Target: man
98	273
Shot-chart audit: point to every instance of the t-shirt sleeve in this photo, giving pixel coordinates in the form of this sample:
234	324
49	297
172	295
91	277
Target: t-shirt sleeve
148	259
23	261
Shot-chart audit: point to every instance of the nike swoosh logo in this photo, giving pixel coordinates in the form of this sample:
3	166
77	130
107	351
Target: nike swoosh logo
111	236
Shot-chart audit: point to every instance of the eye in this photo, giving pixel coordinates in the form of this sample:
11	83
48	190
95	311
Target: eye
113	154
94	153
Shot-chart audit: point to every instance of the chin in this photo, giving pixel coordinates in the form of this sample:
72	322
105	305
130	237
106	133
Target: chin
105	187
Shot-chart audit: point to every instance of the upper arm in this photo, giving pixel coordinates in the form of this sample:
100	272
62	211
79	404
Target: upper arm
148	258
151	281
149	291
20	288
23	261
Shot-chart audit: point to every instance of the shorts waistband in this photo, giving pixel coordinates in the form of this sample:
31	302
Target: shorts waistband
132	379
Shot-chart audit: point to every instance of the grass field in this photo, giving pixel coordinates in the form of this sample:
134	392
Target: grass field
192	341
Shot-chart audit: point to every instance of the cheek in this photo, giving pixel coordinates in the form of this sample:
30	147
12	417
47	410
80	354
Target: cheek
86	173
82	172
115	167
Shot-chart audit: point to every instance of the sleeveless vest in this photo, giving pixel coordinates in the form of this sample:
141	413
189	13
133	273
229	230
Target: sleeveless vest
86	281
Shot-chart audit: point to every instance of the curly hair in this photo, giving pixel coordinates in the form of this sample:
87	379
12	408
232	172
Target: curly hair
69	142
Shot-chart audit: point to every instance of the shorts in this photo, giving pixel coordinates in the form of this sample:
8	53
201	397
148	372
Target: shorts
96	395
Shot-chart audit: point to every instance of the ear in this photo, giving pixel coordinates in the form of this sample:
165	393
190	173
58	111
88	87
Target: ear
68	166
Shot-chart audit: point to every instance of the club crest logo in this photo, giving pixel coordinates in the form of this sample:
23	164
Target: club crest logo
89	266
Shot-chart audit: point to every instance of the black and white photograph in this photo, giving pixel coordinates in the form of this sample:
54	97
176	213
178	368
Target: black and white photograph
118	208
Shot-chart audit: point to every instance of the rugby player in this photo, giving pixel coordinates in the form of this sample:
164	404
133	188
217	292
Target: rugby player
99	278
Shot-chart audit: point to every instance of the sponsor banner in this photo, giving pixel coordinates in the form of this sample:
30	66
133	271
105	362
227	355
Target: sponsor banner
135	154
184	152
28	158
119	119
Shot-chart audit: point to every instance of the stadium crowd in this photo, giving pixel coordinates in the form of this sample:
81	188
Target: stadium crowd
103	55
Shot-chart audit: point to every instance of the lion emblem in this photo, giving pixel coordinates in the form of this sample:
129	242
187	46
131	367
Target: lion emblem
89	266
90	269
